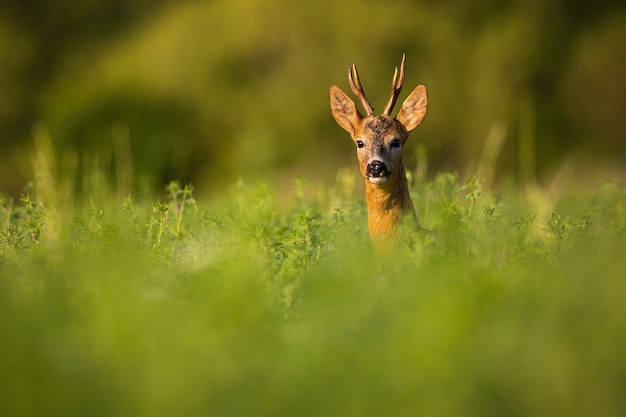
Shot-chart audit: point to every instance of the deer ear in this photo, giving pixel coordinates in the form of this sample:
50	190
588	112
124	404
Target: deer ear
344	111
414	108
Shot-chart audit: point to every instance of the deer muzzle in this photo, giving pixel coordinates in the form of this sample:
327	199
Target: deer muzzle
377	172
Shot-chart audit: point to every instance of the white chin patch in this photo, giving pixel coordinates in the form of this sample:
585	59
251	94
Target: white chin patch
377	180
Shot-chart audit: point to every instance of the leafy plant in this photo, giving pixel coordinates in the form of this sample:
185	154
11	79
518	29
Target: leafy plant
228	303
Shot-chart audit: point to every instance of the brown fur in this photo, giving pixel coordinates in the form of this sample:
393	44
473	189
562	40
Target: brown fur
382	140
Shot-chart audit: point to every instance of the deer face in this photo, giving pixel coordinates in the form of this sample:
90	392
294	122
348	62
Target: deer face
379	145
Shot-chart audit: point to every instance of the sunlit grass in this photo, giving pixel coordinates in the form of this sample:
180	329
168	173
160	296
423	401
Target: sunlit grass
260	304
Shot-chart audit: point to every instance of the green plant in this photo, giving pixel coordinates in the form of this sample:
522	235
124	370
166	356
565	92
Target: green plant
258	305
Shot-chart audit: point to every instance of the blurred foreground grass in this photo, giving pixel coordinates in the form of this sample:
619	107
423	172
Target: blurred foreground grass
259	304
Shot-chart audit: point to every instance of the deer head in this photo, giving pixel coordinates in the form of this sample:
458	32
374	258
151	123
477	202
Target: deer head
379	139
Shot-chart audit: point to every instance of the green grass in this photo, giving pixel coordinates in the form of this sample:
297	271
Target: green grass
273	303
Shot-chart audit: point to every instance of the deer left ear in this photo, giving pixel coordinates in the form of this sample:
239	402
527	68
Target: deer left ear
344	111
414	108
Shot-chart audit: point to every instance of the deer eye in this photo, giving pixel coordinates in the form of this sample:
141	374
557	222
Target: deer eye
395	143
360	144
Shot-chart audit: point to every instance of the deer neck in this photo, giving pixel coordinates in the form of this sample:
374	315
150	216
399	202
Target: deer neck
387	204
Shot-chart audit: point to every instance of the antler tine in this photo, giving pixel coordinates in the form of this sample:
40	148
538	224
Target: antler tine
357	89
396	87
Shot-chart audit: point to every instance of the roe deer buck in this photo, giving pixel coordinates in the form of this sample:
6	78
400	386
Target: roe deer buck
379	141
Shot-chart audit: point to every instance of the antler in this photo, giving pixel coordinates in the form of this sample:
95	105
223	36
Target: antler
357	89
396	87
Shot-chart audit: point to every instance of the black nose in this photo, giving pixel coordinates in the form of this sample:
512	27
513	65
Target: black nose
376	169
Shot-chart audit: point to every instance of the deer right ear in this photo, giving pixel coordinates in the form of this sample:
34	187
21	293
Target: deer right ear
414	108
344	111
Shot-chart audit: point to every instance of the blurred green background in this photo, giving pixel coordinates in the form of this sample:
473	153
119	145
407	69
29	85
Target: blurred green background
207	91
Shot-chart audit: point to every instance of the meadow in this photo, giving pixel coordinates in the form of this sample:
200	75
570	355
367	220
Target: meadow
270	301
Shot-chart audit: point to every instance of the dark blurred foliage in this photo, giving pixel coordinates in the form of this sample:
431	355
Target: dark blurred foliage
206	91
39	34
36	37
